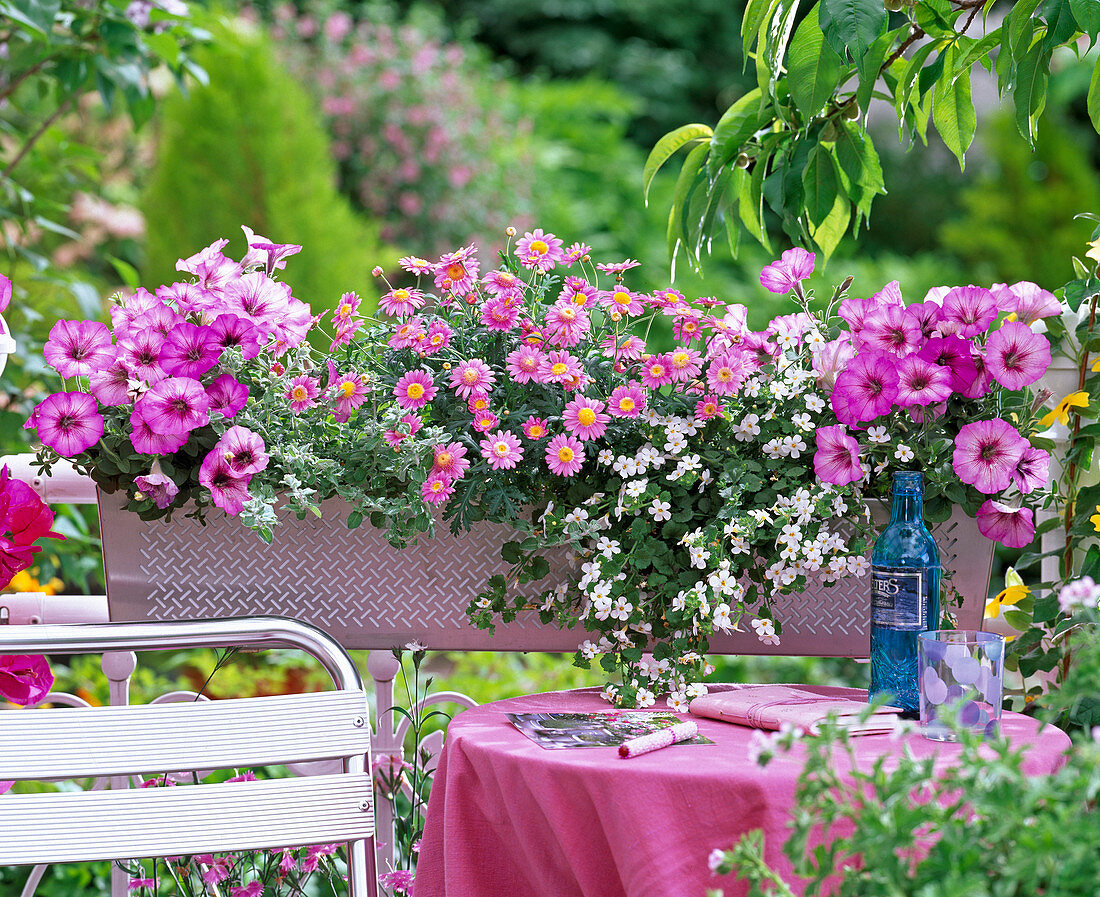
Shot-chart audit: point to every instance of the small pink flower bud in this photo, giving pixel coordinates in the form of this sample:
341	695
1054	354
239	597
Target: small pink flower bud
376	271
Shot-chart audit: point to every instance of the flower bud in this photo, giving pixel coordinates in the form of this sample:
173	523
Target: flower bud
376	271
510	231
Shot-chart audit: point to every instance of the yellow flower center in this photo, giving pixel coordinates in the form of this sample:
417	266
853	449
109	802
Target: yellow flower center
470	376
501	449
300	394
725	375
710	408
347	389
486	422
415	391
626	404
401	294
672	297
680	359
558	369
536	431
436	486
568	314
579	299
480	404
565	454
656	370
344	311
621	297
443	460
538	247
586	417
456	271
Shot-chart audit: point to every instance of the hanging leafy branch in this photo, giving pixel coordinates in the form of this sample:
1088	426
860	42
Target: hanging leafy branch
798	142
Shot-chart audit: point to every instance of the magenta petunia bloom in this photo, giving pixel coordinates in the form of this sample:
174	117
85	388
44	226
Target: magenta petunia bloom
627	400
856	311
759	348
146	441
500	313
535	428
866	388
684	365
787	272
953	353
232	331
401	302
160	319
1014	527
523	363
967	311
836	460
228	491
1028	301
830	360
566	324
173	406
24	678
275	254
415	389
920	382
502	450
1032	471
140	352
927	318
656	372
437	488
987	453
111	387
564	455
79	348
890	329
450	460
227	396
243	450
68	422
258	298
188	298
538	250
5	293
1017	356
158	486
213	270
189	351
472	376
585	418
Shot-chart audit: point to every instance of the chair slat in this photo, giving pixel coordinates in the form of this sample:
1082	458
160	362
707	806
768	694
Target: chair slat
67	743
189	819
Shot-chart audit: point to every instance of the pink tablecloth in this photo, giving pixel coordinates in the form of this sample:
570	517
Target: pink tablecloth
510	819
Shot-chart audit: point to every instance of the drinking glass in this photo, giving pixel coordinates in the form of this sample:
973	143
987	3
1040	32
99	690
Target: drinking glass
961	677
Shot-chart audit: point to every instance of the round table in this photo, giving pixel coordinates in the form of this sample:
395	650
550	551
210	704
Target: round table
508	818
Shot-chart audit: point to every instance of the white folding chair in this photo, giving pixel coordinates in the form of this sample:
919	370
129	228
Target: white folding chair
161	738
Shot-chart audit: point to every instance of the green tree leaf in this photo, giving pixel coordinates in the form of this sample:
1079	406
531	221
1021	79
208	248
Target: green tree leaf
1094	97
953	114
736	125
829	233
1087	14
852	26
667	147
750	203
1030	95
869	65
1061	23
756	12
813	67
819	184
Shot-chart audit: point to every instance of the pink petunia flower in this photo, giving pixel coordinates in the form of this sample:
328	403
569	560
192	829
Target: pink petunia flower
787	272
436	489
79	348
472	376
68	422
920	382
967	311
987	453
140	352
927	318
708	407
415	389
585	418
227	396
832	358
401	302
539	251
243	450
1016	356
856	311
627	400
523	364
890	329
953	353
502	450
188	298
759	348
147	441
656	372
228	491
302	393
564	455
24	678
836	460
450	460
622	300
457	271
1032	470
535	428
684	365
1014	527
111	387
189	351
158	486
865	389
566	324
232	331
1028	301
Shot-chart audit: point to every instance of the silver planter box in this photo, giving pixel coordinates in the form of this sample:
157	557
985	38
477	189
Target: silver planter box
370	595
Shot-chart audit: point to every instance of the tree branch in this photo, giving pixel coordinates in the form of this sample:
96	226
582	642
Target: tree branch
33	139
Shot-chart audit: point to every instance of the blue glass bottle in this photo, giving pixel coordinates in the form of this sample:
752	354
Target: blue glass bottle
905	593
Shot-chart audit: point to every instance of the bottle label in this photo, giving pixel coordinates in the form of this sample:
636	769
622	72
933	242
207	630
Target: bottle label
899	598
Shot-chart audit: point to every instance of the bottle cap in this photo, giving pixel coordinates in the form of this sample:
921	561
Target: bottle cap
908	482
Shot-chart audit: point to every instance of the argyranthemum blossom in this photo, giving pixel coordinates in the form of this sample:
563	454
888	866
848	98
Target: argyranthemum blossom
987	453
350	391
415	265
401	302
450	460
535	428
686	324
79	348
243	450
579	292
438	336
407	426
1061	411
656	372
409	335
684	365
559	367
618	267
1016	356
457	271
227	396
626	347
788	271
967	311
301	394
1014	527
1027	301
146	441
68	422
920	382
707	407
346	309
523	364
538	250
574	253
836	460
866	388
566	324
1032	471
472	377
228	491
415	389
190	350
502	283
620	299
500	313
485	421
627	400
564	455
232	331
890	329
585	418
502	450
175	405
437	488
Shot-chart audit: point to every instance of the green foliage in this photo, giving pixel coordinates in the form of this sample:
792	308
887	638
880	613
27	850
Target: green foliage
248	149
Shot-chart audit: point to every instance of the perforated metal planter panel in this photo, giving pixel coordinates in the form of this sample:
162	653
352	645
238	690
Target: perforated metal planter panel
368	594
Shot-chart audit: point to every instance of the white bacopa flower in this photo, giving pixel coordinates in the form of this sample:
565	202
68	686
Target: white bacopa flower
721	619
760	516
646	698
600	591
705	479
770	639
601	608
696	690
677	701
621	463
877	435
588	650
794	445
608	547
606	456
676	443
803	421
577	515
699	557
814	402
858	565
773	448
903	453
483	603
652	416
763	625
621	608
660	510
636	487
778	389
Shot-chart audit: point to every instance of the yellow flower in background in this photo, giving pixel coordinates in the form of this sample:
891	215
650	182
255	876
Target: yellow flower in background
23	581
1094	250
1013	592
1095	519
1060	411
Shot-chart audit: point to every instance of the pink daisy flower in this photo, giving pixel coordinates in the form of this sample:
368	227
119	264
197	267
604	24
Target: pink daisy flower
535	428
566	324
346	309
1014	527
401	302
477	403
623	348
538	250
485	421
472	376
409	425
350	391
671	300
707	407
415	265
618	267
500	283
457	271
414	389
684	364
450	460
499	313
560	367
79	348
437	337
787	273
564	455
1017	356
627	400
303	390
987	453
585	418
578	291
409	335
686	324
437	488
621	300
502	450
344	334
836	460
727	372
523	363
575	253
656	372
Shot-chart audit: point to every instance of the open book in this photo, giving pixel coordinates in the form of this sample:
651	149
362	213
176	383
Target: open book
770	706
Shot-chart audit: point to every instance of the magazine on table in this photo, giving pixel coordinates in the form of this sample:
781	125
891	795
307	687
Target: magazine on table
771	706
555	731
